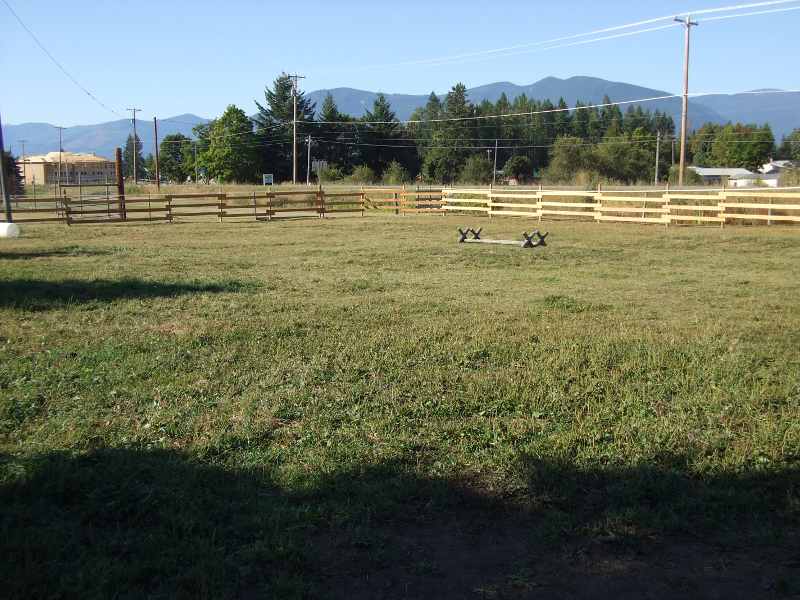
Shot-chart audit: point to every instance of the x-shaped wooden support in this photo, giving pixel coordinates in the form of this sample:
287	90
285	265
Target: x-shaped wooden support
530	243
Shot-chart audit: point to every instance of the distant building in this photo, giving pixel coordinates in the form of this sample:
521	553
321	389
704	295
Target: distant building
714	175
755	180
776	166
76	167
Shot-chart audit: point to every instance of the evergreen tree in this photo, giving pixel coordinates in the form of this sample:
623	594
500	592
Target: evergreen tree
12	174
790	146
175	158
274	121
132	148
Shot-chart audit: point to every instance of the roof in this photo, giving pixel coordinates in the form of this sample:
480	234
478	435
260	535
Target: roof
66	157
720	172
757	176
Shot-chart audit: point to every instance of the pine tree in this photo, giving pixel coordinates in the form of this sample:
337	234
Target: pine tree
132	148
274	127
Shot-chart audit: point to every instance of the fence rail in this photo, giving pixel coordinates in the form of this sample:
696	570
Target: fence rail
641	206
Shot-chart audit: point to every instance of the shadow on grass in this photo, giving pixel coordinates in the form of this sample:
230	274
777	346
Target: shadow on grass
130	524
56	252
39	294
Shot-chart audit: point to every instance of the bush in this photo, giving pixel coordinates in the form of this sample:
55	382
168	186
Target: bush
518	167
395	174
363	174
477	170
790	177
331	172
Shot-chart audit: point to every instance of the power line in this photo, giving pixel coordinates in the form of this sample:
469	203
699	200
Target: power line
555	43
56	63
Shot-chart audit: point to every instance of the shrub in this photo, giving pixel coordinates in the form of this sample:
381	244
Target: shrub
476	170
396	174
518	167
363	174
331	172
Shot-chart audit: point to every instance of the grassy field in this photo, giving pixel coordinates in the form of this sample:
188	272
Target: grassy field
362	408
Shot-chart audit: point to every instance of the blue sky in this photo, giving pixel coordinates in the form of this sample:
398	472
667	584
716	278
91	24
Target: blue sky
174	57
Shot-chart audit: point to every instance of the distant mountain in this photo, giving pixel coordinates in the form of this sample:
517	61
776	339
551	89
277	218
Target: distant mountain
781	111
101	139
586	89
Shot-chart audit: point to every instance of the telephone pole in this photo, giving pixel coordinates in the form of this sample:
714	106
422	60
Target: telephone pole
308	168
3	189
60	150
294	79
494	169
135	174
687	24
155	137
658	147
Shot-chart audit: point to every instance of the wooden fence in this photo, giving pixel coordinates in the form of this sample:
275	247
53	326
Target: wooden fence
659	207
662	207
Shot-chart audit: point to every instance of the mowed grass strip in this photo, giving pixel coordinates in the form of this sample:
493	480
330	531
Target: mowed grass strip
297	409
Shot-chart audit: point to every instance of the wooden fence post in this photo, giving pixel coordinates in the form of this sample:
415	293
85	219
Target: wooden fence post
361	197
321	201
489	201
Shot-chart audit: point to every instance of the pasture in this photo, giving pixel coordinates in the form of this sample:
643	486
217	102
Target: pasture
362	408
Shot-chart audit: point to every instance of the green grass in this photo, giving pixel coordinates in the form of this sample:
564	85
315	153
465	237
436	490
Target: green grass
364	408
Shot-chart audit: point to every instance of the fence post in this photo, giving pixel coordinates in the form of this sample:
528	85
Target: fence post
168	200
269	206
65	204
321	201
255	210
221	203
665	197
489	201
361	197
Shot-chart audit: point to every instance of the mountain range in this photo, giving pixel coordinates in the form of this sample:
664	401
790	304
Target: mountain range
780	110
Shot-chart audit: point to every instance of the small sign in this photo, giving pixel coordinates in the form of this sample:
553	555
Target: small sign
268	179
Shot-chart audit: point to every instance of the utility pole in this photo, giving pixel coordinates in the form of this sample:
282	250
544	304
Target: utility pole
294	79
494	170
308	168
135	174
687	24
658	147
155	137
60	150
3	190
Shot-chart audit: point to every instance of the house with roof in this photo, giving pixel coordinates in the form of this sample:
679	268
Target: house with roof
771	180
716	175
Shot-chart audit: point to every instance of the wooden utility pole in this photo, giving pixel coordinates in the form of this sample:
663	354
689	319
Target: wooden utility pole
308	167
494	169
3	188
120	183
687	24
135	138
658	147
60	150
294	79
155	137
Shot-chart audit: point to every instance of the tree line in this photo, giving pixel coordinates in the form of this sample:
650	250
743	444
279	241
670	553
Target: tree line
451	139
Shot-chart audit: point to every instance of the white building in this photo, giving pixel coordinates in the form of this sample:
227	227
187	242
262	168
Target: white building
715	175
755	180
